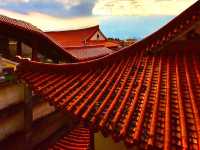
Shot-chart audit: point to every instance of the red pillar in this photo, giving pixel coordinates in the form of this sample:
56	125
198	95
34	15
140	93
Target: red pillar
4	46
28	117
34	51
92	145
19	48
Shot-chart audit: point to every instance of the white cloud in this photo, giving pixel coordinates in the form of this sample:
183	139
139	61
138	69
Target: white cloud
141	7
14	1
66	3
69	3
5	2
50	23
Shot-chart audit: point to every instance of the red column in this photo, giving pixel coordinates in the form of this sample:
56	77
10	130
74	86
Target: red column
28	117
4	46
19	48
34	51
92	145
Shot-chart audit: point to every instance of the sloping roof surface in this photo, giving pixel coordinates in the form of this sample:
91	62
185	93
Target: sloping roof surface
148	99
77	139
106	43
73	37
86	53
19	23
153	100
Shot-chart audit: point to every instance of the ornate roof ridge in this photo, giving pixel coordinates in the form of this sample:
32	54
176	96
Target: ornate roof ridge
72	30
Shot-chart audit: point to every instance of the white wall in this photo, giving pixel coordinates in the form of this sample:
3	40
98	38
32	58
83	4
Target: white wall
94	37
13	47
11	94
14	94
107	143
26	51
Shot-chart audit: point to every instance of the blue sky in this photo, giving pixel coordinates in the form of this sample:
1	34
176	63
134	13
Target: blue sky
132	26
117	18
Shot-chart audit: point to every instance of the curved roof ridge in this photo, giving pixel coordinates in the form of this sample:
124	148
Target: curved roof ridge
90	27
156	40
139	100
28	28
19	23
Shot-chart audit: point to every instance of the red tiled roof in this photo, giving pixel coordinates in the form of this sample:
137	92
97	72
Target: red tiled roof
143	99
146	99
111	44
21	29
87	53
108	44
73	37
77	139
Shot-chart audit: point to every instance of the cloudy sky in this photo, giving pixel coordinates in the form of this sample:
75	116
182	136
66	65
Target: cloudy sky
117	18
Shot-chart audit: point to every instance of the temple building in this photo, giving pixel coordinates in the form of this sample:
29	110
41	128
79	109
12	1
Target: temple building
144	96
90	36
86	43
